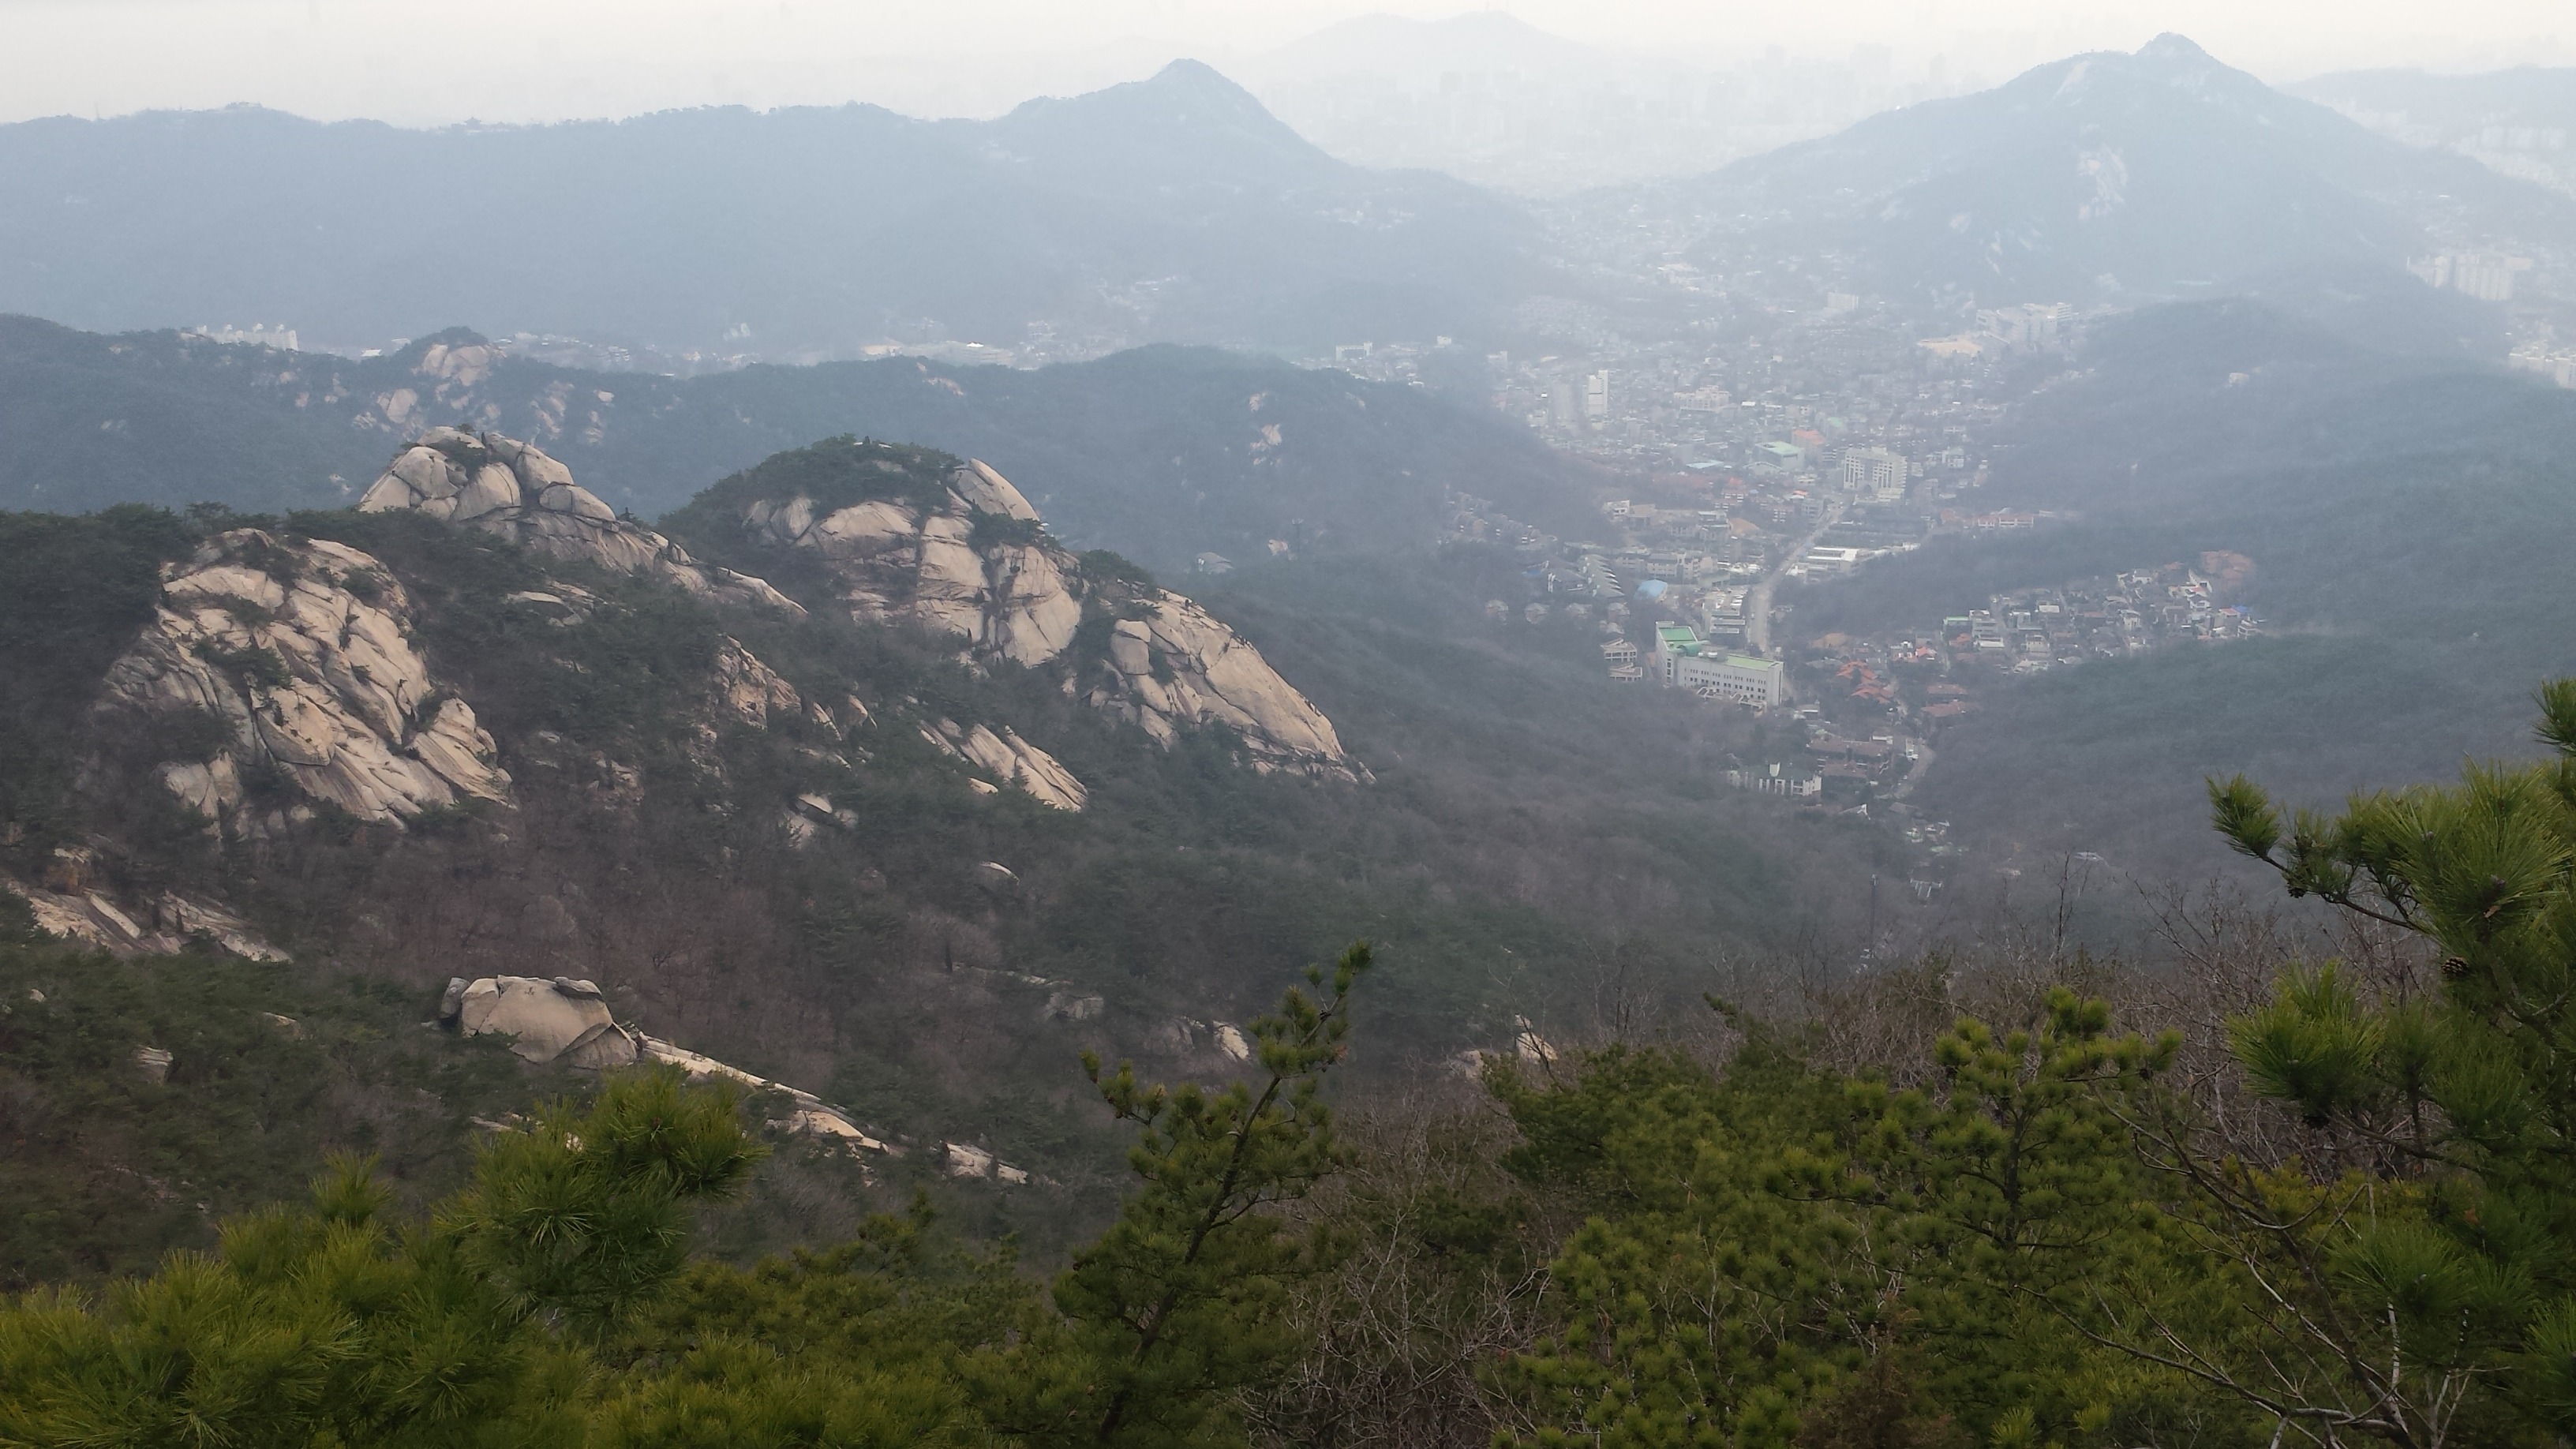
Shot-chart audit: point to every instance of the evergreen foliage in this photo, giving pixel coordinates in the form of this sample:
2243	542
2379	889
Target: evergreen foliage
339	1324
274	1067
73	591
1780	1253
2438	1287
551	1303
1180	1304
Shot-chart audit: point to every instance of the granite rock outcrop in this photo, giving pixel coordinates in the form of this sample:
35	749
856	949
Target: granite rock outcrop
1010	760
975	562
562	1019
544	1018
297	657
170	925
513	489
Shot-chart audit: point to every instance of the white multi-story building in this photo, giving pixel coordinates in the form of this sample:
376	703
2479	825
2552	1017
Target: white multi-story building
1760	683
1875	473
2486	276
2558	367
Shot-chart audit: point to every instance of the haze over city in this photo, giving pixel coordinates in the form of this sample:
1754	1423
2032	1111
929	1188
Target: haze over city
406	60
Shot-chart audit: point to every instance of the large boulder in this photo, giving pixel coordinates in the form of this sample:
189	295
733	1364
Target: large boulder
545	1018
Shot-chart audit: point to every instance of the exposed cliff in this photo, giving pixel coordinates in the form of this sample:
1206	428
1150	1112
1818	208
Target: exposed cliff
905	534
511	488
297	657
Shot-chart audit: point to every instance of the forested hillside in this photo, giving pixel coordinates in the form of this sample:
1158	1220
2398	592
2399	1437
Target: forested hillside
1161	453
2024	1197
1168	209
764	826
2406	516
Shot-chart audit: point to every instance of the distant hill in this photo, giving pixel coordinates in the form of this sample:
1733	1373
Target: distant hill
2104	177
1161	453
2521	122
1170	209
2407	517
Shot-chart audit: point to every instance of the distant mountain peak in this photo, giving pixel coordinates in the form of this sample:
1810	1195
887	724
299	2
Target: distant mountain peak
1187	82
1183	120
1186	72
2176	59
2172	46
1208	94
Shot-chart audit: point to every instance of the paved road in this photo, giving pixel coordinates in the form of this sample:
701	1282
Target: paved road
1914	776
1757	605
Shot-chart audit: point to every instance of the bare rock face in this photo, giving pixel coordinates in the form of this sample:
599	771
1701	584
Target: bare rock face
1010	760
545	1019
751	691
806	1114
1176	666
1008	595
975	563
504	486
558	1018
299	655
167	928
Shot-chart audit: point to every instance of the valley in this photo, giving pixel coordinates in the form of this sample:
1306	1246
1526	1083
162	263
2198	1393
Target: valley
693	726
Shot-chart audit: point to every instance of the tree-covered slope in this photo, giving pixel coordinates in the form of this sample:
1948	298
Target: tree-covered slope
1160	453
1168	209
2408	519
755	832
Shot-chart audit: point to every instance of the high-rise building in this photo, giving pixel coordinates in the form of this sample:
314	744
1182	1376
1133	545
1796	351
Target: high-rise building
2486	276
1596	396
1876	474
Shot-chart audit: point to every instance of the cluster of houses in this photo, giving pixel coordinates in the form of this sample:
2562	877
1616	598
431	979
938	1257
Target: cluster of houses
2129	613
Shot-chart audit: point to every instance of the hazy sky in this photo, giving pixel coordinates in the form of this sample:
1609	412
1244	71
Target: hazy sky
422	61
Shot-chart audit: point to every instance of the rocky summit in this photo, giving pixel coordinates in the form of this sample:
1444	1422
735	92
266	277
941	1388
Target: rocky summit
952	546
513	489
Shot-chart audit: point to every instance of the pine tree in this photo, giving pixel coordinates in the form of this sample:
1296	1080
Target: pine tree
1182	1302
2428	1286
336	1325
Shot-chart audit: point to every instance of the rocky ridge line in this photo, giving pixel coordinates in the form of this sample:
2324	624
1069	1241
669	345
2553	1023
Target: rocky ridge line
512	489
563	1019
1021	597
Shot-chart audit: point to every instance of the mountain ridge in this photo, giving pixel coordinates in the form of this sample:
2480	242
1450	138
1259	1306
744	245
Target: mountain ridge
1159	453
2108	176
1173	208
